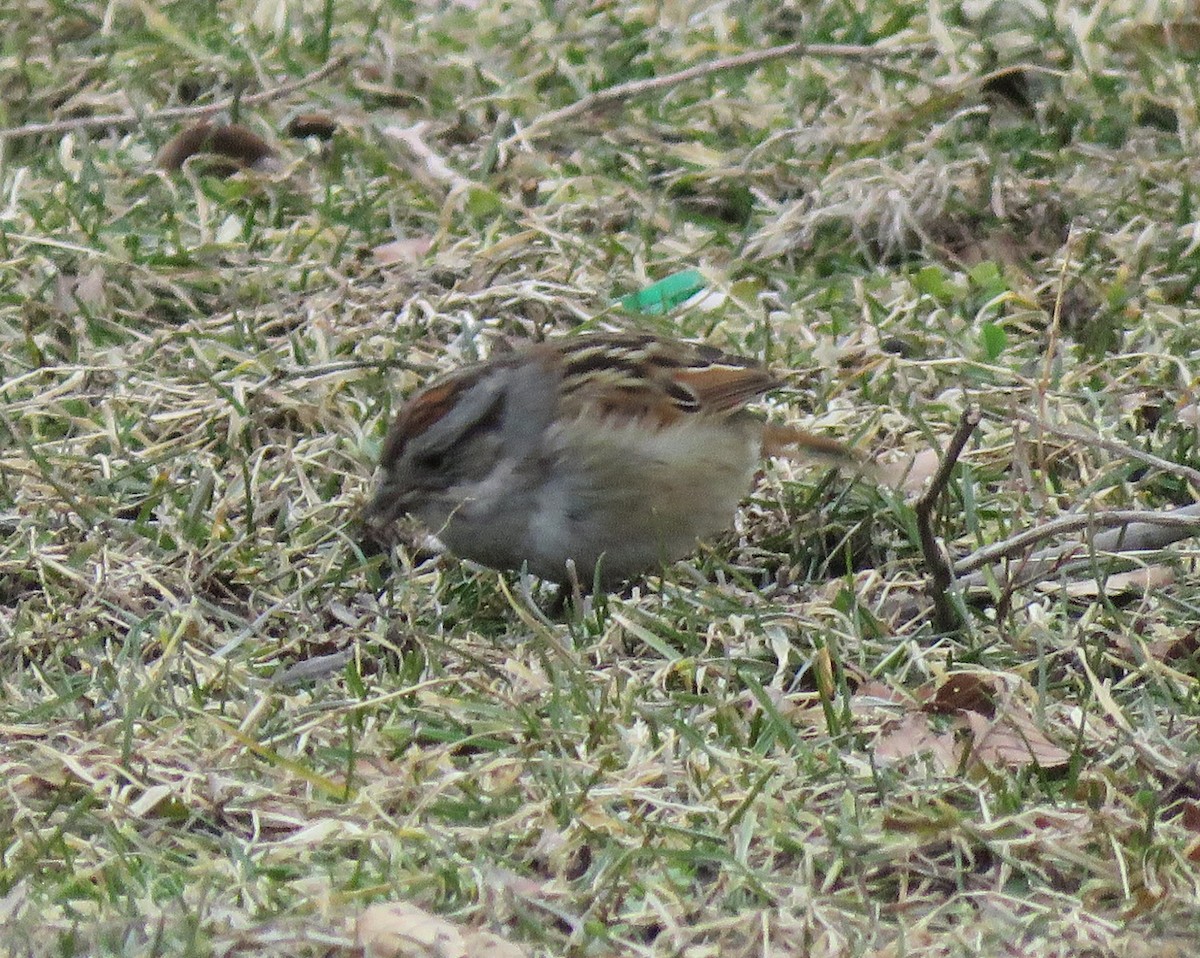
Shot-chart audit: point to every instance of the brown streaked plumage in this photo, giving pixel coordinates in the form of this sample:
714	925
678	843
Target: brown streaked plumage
614	451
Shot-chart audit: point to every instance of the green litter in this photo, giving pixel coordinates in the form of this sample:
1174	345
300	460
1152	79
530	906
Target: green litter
665	294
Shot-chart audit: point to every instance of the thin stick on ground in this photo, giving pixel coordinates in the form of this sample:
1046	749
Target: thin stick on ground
425	163
1129	530
936	560
1093	438
626	91
131	119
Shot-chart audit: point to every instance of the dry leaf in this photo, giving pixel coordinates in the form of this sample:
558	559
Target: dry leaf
320	125
402	251
1174	646
1012	86
1189	814
910	475
804	446
822	667
75	293
89	290
1011	740
234	142
914	735
962	691
1119	583
34	786
874	689
483	944
389	94
400	929
1180	36
1189	413
511	882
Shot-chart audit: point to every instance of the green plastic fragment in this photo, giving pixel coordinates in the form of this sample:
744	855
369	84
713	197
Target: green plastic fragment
666	293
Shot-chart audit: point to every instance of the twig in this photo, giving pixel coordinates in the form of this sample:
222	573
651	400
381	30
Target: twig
1130	530
430	166
935	554
626	91
317	370
1089	437
174	112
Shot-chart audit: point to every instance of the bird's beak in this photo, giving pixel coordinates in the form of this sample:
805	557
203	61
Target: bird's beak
387	505
376	535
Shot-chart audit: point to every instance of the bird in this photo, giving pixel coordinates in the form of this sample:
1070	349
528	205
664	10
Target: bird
593	458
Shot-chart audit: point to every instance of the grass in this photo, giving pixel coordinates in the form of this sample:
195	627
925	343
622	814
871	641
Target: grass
767	750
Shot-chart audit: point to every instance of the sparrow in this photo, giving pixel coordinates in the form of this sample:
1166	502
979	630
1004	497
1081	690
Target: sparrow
592	458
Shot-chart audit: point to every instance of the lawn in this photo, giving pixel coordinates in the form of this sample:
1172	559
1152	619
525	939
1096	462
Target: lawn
234	236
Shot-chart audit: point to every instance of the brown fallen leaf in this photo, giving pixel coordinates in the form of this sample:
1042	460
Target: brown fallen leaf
232	141
961	691
874	689
912	735
910	474
1180	35
320	125
1189	814
484	944
1174	647
1119	583
1013	86
400	929
410	250
1011	740
87	292
1188	411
